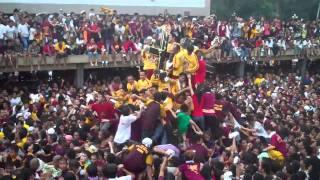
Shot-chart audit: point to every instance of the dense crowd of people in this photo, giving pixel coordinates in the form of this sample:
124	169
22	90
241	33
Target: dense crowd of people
109	37
257	127
170	122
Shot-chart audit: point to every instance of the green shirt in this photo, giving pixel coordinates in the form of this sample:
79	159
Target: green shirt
183	122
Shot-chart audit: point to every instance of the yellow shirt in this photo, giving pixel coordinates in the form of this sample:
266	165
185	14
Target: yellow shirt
174	88
34	116
22	142
254	33
148	62
161	85
143	84
189	32
136	102
170	47
193	64
258	81
168	103
1	135
121	97
60	49
177	63
132	87
89	121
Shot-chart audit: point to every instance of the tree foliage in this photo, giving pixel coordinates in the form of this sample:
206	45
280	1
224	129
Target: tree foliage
284	9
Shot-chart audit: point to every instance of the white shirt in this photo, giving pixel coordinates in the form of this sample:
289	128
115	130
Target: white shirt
35	98
270	43
260	130
15	101
121	178
79	41
3	30
24	29
119	30
11	32
282	43
124	128
33	32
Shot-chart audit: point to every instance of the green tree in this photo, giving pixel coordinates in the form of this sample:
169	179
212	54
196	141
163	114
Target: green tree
306	9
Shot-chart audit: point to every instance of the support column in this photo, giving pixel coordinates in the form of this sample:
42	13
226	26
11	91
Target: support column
241	69
79	77
303	67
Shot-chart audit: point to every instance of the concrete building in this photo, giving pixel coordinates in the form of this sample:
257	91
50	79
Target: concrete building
148	7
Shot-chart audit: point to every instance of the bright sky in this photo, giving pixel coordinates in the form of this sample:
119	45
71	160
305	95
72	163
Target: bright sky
159	3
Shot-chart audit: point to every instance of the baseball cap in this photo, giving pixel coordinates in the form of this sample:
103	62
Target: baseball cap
147	142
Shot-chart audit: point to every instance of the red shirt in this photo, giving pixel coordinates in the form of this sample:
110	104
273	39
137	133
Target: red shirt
129	44
222	30
200	75
100	45
94	27
104	110
197	107
48	50
92	47
259	43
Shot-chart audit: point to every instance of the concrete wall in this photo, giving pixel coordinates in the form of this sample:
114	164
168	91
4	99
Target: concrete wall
49	8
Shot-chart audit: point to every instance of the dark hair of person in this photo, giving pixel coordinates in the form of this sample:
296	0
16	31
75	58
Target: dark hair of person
184	108
92	170
125	110
266	165
110	170
257	176
157	96
69	176
190	48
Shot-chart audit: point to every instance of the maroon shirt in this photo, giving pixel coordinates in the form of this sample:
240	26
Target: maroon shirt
135	161
150	116
191	171
208	101
218	107
222	108
201	152
279	144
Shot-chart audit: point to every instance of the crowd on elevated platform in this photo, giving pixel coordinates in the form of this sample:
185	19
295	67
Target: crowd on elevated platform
107	37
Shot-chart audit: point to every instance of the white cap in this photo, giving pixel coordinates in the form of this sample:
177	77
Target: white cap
147	142
51	131
227	175
234	134
31	129
26	115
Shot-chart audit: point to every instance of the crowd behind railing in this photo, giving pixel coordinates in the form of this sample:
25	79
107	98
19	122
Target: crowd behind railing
109	37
